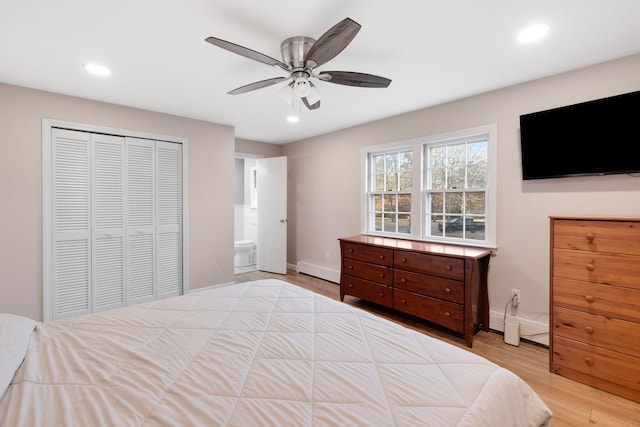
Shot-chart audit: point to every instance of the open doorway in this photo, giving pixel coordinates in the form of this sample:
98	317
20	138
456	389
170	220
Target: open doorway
245	215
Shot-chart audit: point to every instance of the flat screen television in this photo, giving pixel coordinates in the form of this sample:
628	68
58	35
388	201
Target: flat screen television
591	138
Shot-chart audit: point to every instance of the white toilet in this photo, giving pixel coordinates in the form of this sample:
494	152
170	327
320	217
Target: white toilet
244	253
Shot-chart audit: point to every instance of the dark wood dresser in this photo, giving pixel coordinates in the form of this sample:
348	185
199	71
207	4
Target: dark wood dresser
444	284
595	302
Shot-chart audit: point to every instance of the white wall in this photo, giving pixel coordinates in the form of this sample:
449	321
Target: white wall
325	180
211	153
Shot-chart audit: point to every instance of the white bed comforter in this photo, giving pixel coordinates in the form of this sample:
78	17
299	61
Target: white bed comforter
264	353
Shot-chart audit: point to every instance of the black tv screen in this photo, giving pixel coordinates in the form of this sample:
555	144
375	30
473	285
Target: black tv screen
591	138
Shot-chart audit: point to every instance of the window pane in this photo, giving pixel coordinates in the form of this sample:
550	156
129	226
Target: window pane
406	181
377	203
404	223
392	181
455	178
404	203
474	202
391	160
405	161
453	203
437	202
390	203
378	162
378	222
390	222
438	167
475	228
379	182
477	164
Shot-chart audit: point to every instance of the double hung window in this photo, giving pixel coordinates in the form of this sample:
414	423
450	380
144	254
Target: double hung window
438	188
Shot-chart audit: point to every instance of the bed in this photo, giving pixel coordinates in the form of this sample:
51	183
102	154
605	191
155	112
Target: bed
262	353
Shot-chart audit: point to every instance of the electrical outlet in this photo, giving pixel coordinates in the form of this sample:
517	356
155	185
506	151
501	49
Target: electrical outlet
515	297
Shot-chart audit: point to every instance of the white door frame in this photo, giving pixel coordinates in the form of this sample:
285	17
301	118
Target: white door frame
47	214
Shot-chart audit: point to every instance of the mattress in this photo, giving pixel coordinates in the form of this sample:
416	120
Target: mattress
262	353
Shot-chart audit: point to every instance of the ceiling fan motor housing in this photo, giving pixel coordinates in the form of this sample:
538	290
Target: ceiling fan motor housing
294	50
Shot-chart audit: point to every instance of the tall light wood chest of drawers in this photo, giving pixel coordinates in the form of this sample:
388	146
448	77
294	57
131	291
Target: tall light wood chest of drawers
444	284
595	302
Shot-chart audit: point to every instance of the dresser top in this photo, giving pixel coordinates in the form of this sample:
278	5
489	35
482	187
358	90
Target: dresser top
419	246
595	218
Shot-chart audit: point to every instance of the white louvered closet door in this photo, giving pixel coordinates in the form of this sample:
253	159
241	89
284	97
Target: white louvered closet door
107	201
116	211
169	218
70	216
140	220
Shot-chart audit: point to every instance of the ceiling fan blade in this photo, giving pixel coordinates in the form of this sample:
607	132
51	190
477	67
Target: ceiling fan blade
332	42
246	52
350	78
312	106
257	85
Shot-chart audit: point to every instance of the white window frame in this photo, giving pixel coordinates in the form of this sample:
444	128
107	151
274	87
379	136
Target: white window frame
418	195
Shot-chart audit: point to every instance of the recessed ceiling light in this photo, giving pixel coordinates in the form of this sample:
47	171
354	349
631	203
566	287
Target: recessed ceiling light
533	33
98	70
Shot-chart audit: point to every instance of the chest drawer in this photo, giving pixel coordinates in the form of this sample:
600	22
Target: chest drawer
615	334
447	289
434	265
621	237
612	301
622	270
366	253
372	272
369	291
606	369
444	313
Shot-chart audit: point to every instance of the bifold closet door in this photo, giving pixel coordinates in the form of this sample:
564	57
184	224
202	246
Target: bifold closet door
116	221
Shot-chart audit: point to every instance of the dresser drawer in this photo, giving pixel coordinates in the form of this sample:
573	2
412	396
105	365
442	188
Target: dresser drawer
434	265
609	370
622	270
612	301
601	331
366	253
447	289
368	291
372	272
621	237
444	313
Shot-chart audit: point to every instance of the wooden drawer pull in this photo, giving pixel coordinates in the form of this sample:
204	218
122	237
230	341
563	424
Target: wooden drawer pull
350	267
588	361
448	268
403	301
589	330
404	260
589	298
447	290
381	275
590	237
403	280
350	251
590	267
447	314
381	256
350	285
381	294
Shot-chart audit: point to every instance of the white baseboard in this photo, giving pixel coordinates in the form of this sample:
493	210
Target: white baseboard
530	330
317	271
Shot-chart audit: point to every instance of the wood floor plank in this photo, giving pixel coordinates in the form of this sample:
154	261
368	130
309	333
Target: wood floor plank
573	404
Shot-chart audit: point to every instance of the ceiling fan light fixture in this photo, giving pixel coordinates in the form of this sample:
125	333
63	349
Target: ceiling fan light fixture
301	87
286	94
314	95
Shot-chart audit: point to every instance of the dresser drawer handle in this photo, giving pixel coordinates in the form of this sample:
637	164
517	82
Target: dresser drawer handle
447	314
448	268
381	256
404	260
588	361
590	267
590	237
403	301
350	285
403	280
381	294
350	251
350	267
589	330
589	298
381	275
447	290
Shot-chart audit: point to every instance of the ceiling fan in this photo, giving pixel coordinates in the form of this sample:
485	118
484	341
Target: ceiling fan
300	58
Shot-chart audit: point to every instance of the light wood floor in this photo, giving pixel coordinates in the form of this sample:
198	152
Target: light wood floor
573	403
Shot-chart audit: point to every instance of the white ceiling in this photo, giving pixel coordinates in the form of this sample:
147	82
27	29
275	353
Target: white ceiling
433	50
